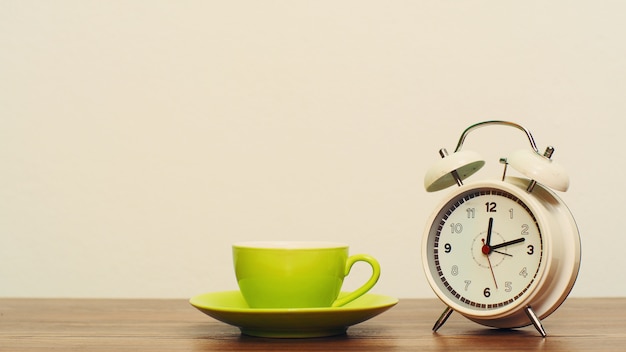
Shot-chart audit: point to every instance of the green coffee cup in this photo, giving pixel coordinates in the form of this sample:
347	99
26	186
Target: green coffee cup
291	274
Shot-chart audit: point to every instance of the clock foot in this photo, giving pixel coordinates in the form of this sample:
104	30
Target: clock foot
442	319
536	322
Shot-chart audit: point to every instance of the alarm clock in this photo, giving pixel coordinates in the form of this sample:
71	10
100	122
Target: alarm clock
504	253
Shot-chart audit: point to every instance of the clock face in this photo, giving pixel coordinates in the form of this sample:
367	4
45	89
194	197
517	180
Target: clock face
484	250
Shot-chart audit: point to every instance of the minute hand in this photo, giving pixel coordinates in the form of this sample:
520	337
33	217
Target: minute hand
504	244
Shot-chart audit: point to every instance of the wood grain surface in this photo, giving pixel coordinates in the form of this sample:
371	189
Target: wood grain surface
581	324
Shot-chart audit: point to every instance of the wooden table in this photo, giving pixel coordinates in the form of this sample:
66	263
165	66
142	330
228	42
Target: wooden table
174	325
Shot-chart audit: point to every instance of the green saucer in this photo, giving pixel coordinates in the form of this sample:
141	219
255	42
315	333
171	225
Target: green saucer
230	307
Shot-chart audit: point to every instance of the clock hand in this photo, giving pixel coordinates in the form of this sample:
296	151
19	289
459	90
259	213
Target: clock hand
489	230
490	267
504	244
503	253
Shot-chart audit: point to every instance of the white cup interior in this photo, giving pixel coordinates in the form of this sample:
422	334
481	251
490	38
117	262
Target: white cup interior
289	244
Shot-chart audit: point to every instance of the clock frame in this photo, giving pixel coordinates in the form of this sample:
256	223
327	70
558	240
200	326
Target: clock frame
490	253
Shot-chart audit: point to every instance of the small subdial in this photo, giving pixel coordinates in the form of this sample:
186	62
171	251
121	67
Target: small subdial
496	257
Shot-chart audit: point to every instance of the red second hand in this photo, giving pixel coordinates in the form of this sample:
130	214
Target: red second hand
486	251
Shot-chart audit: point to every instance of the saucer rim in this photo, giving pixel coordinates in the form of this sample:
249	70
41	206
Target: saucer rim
389	302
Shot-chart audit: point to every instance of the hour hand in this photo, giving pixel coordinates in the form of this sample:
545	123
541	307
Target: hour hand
508	243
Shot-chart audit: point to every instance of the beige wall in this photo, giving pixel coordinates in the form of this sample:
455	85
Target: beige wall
139	139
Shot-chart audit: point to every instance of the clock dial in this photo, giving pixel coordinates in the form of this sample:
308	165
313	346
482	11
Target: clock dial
485	249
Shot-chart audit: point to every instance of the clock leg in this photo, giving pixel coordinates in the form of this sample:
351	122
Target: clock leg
536	322
442	319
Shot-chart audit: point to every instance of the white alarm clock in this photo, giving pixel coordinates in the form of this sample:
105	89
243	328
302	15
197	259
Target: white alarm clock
505	252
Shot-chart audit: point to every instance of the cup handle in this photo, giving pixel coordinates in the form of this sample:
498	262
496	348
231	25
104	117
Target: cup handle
367	286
